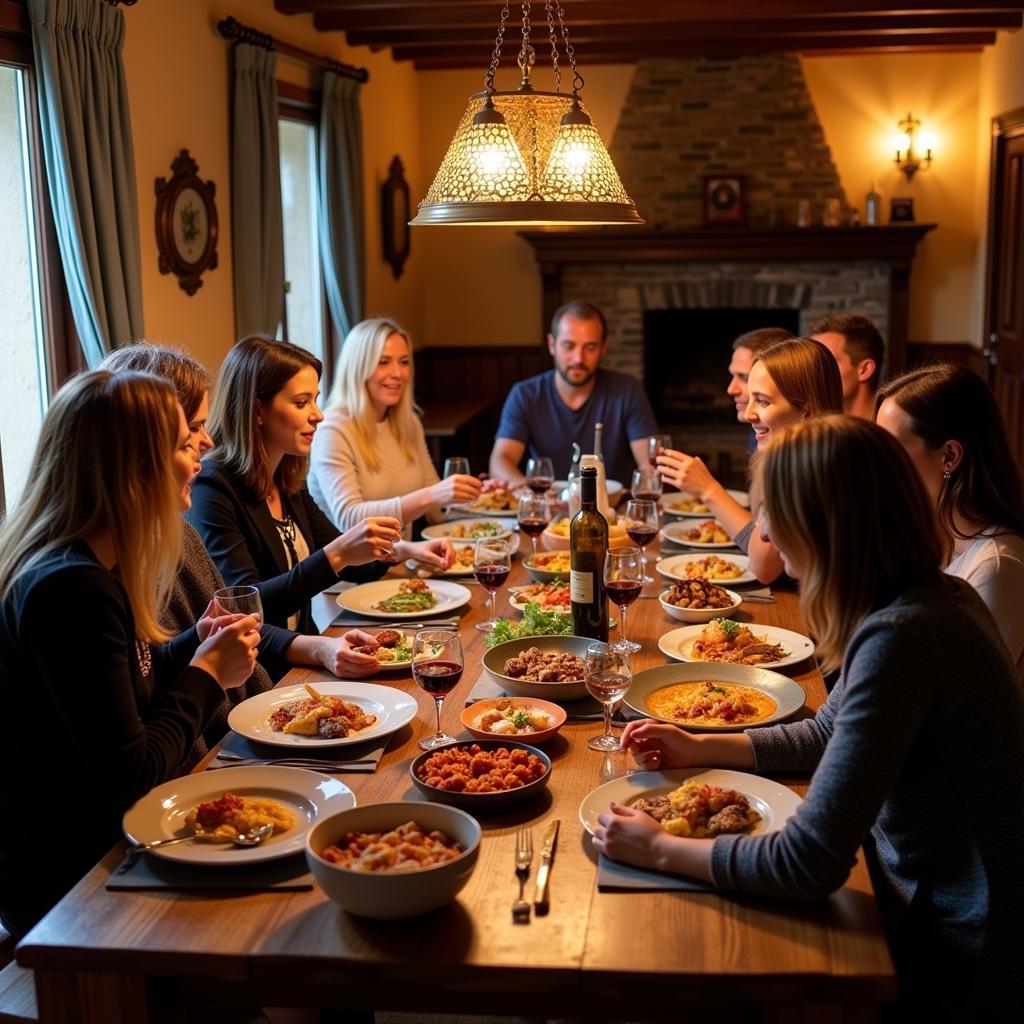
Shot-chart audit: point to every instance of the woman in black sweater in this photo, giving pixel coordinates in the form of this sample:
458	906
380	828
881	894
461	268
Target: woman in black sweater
87	559
251	505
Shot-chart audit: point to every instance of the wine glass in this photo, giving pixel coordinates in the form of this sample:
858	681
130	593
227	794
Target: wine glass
540	475
491	566
623	579
641	522
456	466
534	514
608	676
647	484
656	445
239	601
437	668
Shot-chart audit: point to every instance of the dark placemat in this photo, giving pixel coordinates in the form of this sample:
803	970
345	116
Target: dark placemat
290	874
615	877
371	750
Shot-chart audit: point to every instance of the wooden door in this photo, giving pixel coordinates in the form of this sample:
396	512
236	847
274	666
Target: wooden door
1004	331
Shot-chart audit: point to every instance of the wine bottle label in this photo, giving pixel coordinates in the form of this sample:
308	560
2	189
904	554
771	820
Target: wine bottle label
581	587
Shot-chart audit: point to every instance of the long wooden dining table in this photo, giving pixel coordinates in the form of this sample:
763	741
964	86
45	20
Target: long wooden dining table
105	957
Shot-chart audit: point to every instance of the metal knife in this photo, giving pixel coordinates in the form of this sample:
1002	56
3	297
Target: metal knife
547	854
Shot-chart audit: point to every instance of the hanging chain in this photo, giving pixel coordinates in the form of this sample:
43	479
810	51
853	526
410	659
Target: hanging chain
527	56
496	56
554	45
577	78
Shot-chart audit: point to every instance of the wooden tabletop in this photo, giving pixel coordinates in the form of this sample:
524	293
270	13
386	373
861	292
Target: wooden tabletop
104	956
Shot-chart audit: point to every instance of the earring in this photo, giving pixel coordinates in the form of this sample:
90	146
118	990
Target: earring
946	474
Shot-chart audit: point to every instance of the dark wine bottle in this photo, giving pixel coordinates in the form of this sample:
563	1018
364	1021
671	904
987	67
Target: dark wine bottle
588	542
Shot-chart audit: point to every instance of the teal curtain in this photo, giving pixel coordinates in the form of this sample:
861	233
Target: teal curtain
256	231
341	202
90	166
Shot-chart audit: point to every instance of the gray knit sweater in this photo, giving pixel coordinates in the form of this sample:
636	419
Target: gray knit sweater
921	743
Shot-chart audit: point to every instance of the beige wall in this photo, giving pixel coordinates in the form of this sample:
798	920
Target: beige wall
178	72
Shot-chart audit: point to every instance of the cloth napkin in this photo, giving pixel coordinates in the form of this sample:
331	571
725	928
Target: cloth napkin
586	710
290	874
615	877
371	750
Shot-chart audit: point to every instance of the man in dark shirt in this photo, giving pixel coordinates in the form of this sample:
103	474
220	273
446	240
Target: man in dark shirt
545	414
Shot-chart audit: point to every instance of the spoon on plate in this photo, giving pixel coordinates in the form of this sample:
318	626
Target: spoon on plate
254	837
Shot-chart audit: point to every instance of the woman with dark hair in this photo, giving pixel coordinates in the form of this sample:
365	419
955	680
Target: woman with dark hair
949	424
251	506
919	743
790	380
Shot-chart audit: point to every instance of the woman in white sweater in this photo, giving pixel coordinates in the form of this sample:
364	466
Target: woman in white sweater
369	456
948	422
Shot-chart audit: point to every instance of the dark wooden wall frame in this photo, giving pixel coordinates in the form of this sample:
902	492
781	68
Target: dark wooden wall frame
185	176
395	211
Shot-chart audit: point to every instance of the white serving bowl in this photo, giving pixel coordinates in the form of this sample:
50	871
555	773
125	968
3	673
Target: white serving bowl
701	614
389	895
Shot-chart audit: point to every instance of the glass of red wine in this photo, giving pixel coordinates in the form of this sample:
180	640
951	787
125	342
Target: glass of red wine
491	566
534	514
641	522
647	484
437	668
608	675
623	580
657	445
540	475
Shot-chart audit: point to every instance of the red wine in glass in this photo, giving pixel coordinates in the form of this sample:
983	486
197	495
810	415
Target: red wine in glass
491	577
646	495
623	592
533	527
539	484
641	535
437	677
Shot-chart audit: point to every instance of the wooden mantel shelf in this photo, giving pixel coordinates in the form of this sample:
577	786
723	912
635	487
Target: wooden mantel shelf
892	243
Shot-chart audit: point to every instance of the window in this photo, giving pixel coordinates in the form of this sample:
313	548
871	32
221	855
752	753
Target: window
304	292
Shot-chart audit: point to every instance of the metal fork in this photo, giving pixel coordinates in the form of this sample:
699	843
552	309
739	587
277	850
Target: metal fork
524	858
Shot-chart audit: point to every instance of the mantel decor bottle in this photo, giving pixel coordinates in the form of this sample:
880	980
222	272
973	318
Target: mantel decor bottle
588	543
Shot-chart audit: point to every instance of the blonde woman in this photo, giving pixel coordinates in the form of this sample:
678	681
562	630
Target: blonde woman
369	457
792	380
87	559
919	743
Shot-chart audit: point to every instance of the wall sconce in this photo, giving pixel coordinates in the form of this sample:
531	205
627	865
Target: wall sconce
907	158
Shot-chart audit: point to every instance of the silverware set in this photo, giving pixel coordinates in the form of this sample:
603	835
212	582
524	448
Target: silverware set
524	858
315	764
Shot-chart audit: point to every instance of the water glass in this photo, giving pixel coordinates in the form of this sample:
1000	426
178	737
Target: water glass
239	601
608	675
437	667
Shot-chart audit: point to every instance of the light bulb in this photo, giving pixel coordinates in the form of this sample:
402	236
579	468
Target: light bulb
491	161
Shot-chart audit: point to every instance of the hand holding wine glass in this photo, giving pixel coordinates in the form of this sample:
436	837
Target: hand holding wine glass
491	566
540	474
437	668
608	675
456	466
239	601
623	581
533	515
641	522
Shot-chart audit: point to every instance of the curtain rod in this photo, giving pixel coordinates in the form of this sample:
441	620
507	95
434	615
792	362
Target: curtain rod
231	28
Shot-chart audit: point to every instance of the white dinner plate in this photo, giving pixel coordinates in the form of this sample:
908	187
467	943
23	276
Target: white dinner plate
431	570
613	487
789	696
773	801
673	567
474	508
674	534
677	643
519	603
667	500
393	708
161	813
447	529
361	599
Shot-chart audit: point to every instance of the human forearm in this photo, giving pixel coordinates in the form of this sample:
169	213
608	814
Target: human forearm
309	650
726	509
727	751
765	561
682	856
503	468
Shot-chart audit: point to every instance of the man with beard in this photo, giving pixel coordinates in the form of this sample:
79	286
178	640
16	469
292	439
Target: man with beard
545	414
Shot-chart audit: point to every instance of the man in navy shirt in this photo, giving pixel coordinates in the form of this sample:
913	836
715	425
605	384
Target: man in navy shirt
545	414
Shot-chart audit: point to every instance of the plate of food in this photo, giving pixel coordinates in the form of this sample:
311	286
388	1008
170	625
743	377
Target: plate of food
730	642
549	597
556	536
400	599
706	534
394	650
699	600
498	501
729	569
290	799
469	531
481	774
722	698
547	566
462	566
548	667
331	713
682	503
525	719
682	801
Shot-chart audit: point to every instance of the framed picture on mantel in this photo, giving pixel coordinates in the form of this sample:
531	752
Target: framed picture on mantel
725	200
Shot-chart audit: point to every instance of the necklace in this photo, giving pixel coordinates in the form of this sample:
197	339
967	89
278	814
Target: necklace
145	656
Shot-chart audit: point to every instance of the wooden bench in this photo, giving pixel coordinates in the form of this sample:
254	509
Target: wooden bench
17	995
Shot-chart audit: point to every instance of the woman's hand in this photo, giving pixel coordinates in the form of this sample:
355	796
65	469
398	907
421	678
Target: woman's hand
630	836
657	746
229	651
686	472
439	552
373	538
207	622
337	656
455	489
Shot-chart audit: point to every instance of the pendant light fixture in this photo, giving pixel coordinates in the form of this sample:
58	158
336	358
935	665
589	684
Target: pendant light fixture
528	157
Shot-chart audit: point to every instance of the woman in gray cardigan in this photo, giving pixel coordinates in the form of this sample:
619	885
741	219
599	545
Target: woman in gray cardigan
920	744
